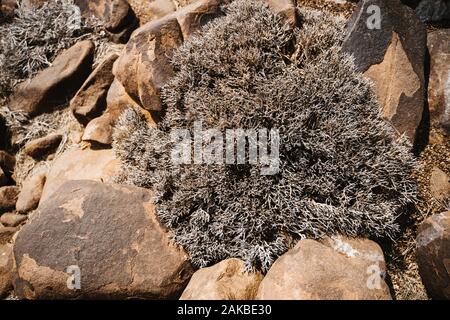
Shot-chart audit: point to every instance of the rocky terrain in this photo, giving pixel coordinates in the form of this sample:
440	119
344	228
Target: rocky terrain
91	208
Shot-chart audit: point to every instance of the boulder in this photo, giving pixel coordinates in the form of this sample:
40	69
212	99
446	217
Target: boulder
8	198
336	269
393	57
90	101
439	82
6	269
12	219
143	68
76	164
433	255
117	17
226	280
39	148
108	237
434	11
31	193
55	84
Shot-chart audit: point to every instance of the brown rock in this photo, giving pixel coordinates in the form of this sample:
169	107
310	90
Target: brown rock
55	84
99	130
116	15
12	219
90	101
8	198
7	269
439	184
6	234
7	9
120	255
439	83
226	280
143	68
195	15
7	162
433	255
75	164
42	147
286	8
393	57
31	193
338	269
150	10
118	100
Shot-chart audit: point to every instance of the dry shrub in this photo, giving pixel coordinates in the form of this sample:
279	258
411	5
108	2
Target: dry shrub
342	170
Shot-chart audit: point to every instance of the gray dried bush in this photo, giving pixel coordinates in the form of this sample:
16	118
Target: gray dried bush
342	169
30	41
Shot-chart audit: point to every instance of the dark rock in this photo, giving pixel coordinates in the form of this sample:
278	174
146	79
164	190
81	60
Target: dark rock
8	198
7	162
434	11
42	147
90	101
433	255
117	17
393	57
120	255
54	85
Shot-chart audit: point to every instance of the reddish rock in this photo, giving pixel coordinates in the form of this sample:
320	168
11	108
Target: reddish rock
120	255
52	86
90	101
39	148
8	198
226	280
393	57
433	255
144	66
147	11
338	269
31	193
